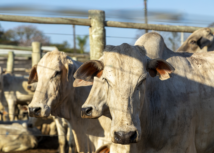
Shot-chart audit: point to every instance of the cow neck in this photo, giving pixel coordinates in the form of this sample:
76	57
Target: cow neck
82	127
61	110
77	100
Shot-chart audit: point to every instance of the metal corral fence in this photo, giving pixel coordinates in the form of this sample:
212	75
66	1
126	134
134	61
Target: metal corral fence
97	24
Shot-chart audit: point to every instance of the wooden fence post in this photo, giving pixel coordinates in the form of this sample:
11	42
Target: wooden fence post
1	85
36	53
10	62
1	92
91	43
182	38
97	33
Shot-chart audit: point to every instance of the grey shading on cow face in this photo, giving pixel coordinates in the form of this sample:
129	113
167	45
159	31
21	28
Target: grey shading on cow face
202	40
118	82
52	77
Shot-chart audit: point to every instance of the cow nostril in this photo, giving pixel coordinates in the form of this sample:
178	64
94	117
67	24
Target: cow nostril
133	136
37	110
34	111
28	87
125	137
117	136
88	111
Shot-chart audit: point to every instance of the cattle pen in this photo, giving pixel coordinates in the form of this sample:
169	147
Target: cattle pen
20	59
96	22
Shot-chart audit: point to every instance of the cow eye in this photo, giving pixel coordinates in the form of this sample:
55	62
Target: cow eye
192	42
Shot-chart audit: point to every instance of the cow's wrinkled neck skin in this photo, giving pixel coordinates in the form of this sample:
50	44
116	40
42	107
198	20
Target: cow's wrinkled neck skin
177	113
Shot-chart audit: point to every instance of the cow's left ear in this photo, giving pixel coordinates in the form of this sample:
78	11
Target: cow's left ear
84	76
33	75
159	67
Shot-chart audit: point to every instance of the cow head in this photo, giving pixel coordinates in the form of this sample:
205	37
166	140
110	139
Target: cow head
201	40
52	76
118	80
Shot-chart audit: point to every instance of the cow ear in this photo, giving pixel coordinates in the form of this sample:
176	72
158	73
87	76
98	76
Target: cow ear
33	75
104	149
85	74
159	67
80	83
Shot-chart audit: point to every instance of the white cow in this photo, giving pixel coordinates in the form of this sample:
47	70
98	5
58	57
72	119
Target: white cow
15	137
175	115
201	40
55	95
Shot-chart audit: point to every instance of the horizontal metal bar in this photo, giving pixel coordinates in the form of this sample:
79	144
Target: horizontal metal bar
86	22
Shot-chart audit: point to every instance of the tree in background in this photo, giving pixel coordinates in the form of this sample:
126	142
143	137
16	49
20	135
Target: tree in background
81	43
25	35
4	40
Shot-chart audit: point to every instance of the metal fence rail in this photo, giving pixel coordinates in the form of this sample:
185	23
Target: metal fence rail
86	22
29	48
97	23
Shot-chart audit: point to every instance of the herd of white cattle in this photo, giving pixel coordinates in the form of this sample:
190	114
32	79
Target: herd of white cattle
135	99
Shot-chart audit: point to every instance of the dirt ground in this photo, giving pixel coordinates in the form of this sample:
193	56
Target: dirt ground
47	145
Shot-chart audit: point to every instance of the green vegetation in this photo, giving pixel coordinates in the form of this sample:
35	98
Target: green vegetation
82	43
5	40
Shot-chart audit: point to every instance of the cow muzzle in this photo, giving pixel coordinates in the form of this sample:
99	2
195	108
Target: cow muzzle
122	137
39	110
34	111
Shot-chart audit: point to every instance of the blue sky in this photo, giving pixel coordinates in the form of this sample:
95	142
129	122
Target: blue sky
201	12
